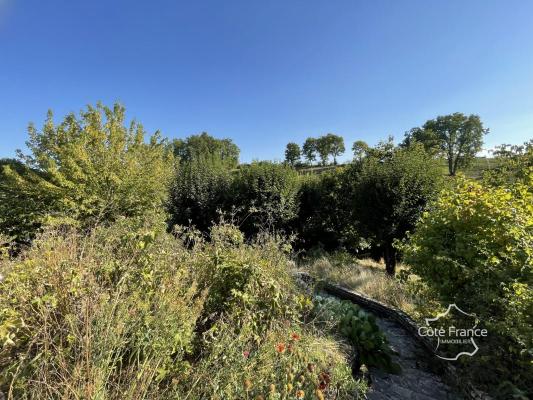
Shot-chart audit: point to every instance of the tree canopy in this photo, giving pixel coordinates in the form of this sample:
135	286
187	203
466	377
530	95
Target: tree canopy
360	150
206	146
87	169
324	146
292	153
336	145
457	137
388	195
309	149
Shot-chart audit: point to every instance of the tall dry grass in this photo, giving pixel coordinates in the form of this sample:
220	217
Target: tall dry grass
365	276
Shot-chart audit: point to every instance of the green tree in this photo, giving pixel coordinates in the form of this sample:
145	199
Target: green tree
309	149
323	148
384	150
206	146
427	138
336	146
387	196
360	150
292	153
456	136
87	169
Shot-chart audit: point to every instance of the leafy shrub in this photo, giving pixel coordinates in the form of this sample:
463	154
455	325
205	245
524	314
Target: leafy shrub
513	164
199	191
361	330
267	195
248	282
287	362
474	248
83	171
323	216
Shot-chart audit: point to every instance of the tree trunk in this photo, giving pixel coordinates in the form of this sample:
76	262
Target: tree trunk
390	258
451	170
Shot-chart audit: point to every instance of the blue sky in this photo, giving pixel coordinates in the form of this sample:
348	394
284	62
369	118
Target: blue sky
268	72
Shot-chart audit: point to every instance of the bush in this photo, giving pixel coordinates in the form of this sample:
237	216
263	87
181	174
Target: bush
131	312
106	316
266	194
84	171
361	330
323	217
474	248
199	191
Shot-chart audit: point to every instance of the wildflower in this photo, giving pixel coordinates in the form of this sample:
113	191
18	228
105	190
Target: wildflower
289	387
300	394
319	394
246	354
272	388
310	367
295	336
247	385
280	347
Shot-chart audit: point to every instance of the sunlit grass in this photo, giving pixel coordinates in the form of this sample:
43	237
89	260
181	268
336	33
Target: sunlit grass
365	276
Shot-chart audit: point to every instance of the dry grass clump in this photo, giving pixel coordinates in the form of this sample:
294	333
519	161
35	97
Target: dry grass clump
365	276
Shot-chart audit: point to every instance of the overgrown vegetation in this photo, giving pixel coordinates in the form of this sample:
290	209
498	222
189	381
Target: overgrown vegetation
474	248
361	330
120	276
130	311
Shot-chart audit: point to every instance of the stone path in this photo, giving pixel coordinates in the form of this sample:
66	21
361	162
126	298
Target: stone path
418	380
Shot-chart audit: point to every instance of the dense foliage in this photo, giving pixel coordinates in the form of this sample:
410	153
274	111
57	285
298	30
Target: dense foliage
85	170
322	218
131	285
474	247
361	330
206	146
199	192
131	312
513	164
266	195
389	194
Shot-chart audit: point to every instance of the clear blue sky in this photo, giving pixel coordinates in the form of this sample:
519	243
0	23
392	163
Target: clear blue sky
268	72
